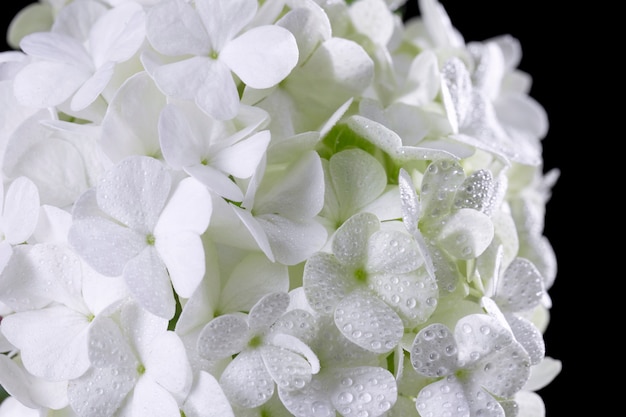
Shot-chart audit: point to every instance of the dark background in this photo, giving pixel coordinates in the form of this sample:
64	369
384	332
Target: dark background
553	54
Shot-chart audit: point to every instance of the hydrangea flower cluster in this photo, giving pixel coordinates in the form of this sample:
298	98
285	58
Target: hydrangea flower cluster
309	208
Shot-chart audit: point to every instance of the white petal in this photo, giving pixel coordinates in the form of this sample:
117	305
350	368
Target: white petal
246	381
358	178
311	401
255	229
392	252
450	392
183	256
129	126
217	93
267	310
21	210
262	56
466	234
324	282
290	370
289	197
543	373
101	390
413	296
188	210
151	399
434	351
223	19
52	46
242	158
135	191
118	34
53	341
365	390
206	398
530	404
350	240
294	344
45	83
310	26
223	336
252	278
174	28
368	322
215	180
149	283
105	245
520	288
439	185
373	19
89	91
292	241
28	390
167	363
529	336
180	144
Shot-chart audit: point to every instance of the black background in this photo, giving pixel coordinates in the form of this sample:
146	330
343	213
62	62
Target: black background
553	54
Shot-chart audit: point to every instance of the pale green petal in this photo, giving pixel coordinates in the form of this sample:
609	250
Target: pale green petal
358	179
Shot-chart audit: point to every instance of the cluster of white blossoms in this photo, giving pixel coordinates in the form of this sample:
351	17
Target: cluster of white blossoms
309	208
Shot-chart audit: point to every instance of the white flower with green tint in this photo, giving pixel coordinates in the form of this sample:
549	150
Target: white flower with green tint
373	283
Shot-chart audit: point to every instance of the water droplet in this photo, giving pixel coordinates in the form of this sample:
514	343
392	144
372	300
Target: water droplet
345	397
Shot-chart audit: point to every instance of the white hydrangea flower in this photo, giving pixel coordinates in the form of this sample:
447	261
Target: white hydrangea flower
137	367
215	35
268	348
295	208
373	283
76	59
350	382
472	367
52	340
138	224
212	151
